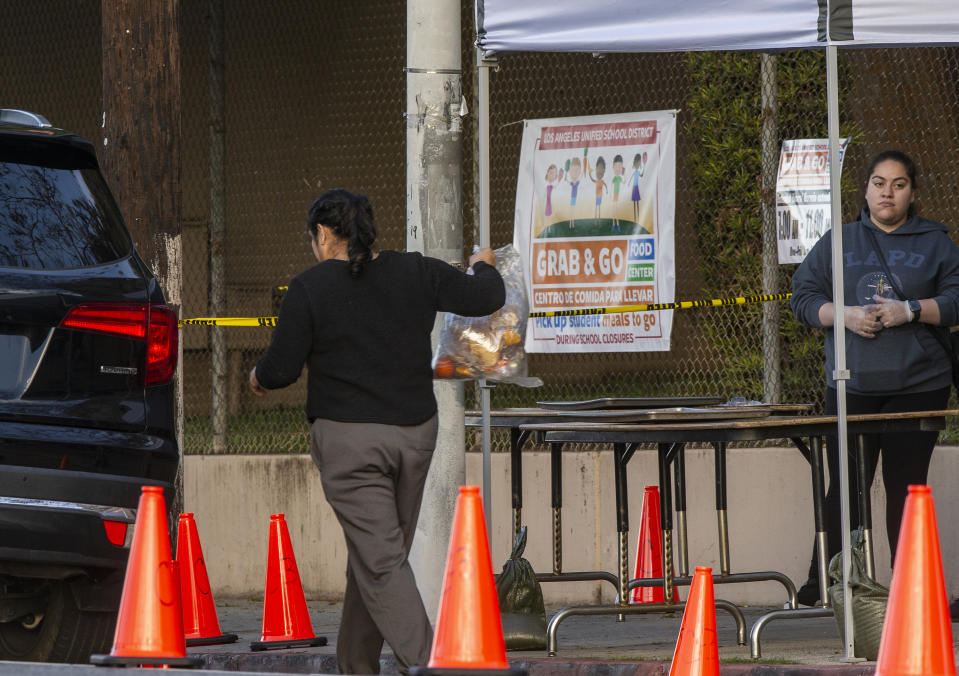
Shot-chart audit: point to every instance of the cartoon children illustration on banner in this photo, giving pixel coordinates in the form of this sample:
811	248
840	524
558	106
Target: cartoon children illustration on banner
562	205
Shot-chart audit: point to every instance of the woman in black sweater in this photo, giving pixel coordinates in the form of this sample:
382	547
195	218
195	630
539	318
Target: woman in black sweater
360	321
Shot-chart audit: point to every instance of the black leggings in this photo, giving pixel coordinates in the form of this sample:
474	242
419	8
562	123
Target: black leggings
905	461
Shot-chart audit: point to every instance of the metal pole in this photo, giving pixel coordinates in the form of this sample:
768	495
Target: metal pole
772	347
434	218
218	347
839	328
484	63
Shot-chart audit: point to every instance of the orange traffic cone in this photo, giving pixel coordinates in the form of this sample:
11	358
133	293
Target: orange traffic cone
917	631
649	550
697	653
199	611
150	623
469	632
286	619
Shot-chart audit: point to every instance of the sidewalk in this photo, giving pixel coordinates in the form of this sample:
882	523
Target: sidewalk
597	645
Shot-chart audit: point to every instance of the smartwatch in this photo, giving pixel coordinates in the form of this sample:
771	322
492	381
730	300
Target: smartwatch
915	308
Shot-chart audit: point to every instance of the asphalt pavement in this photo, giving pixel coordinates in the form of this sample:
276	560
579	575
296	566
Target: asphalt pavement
599	645
594	645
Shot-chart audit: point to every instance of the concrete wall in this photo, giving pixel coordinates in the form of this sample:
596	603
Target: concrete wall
770	518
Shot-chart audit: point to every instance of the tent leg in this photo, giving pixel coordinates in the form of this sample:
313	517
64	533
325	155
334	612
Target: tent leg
484	64
839	327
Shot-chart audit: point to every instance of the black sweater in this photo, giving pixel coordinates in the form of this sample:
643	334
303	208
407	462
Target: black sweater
366	341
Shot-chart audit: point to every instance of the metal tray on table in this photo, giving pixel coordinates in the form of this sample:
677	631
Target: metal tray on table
634	403
678	413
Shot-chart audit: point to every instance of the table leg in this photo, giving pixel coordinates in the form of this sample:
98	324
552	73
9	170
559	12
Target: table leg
666	517
517	438
719	453
679	481
556	484
755	650
620	458
819	517
865	504
640	609
556	479
813	454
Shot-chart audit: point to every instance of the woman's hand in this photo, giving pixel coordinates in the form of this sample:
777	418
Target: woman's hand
862	320
486	255
891	312
255	386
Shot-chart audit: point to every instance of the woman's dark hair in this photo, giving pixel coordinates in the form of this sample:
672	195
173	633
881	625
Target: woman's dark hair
903	159
349	217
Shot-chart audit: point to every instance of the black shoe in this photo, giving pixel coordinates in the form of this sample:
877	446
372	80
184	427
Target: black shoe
808	594
954	610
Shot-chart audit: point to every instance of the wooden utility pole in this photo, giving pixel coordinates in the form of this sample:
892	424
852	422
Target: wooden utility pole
140	148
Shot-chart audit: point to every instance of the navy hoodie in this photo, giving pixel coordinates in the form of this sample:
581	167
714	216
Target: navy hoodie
925	263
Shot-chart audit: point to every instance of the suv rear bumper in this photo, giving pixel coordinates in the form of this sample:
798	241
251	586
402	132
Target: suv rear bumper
87	488
58	538
54	519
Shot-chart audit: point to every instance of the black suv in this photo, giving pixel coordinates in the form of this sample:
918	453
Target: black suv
87	356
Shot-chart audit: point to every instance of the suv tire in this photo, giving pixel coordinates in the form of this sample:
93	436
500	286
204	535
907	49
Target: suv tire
64	633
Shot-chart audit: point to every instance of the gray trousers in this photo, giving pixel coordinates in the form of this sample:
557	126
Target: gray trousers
373	477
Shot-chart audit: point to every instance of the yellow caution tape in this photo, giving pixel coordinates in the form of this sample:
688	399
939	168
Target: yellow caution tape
229	321
681	305
649	307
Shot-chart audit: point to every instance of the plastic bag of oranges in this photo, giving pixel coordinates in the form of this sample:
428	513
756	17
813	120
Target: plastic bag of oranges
489	347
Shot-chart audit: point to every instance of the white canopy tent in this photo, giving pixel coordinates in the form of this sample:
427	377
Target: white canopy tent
605	26
710	25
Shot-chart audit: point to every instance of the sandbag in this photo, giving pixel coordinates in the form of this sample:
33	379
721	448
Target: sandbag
521	601
869	600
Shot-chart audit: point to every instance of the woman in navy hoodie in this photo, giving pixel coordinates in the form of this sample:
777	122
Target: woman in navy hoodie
895	361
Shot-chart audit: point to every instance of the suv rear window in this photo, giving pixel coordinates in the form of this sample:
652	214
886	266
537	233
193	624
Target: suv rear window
56	211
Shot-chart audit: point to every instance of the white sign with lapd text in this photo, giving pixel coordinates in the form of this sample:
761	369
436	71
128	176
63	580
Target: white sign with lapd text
803	211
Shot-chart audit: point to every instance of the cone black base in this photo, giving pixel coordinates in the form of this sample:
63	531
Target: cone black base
212	640
135	660
297	643
465	671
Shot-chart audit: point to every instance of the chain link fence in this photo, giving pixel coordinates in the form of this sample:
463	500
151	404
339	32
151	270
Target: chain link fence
51	62
283	100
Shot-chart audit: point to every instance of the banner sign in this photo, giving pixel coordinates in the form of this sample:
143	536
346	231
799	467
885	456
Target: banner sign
595	204
803	211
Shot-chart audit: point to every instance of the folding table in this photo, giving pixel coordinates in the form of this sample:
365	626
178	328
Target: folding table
670	438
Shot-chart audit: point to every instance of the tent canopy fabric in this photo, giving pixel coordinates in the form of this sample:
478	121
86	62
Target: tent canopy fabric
718	25
706	25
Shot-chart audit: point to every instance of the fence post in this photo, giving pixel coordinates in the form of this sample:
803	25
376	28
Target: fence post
772	346
218	346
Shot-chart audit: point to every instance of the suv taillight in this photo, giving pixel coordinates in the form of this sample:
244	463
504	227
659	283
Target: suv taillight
154	323
162	344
